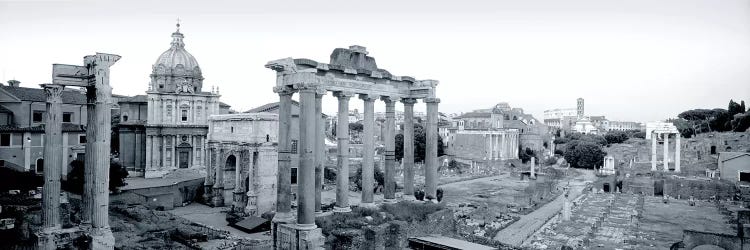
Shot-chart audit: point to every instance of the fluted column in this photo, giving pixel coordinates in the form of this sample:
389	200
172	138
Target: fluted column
342	136
677	153
408	159
102	237
431	144
390	148
148	153
52	156
320	147
284	175
653	151
306	169
503	147
90	158
666	152
368	164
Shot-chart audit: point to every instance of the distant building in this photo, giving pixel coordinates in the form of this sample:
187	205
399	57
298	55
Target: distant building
622	126
22	119
734	166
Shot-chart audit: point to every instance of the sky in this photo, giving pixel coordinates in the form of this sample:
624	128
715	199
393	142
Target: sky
635	60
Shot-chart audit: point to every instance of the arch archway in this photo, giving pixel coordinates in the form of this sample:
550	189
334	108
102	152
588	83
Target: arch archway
231	163
40	165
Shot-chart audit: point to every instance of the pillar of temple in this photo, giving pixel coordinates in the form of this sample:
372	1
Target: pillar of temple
503	147
237	194
101	234
390	149
533	166
148	153
666	152
342	136
306	169
408	160
677	153
52	156
320	147
208	185
284	174
653	151
89	158
431	144
368	165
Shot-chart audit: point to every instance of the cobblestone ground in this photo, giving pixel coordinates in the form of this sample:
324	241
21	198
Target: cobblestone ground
627	221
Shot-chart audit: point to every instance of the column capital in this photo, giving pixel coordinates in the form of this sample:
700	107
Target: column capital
390	99
320	92
343	94
53	92
305	87
369	97
283	90
408	101
432	100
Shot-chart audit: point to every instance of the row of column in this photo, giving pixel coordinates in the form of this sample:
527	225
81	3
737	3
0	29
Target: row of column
158	145
95	198
311	144
654	144
502	146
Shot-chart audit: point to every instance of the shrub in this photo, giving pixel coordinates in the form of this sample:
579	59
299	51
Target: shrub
616	137
379	178
550	161
409	211
329	175
74	184
439	194
24	181
419	194
559	152
584	155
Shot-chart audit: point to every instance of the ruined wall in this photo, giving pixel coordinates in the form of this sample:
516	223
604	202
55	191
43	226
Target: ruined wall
699	189
266	186
178	194
470	146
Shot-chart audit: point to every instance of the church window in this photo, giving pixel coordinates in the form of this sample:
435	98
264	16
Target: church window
38	116
294	176
184	115
169	111
67	117
231	130
161	86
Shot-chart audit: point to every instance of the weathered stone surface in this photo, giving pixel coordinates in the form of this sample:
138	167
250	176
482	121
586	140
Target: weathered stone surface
353	57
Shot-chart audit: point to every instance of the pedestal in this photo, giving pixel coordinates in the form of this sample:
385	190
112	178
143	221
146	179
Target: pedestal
296	236
102	238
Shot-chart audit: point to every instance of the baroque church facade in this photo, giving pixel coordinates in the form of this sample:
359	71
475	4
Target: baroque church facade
174	128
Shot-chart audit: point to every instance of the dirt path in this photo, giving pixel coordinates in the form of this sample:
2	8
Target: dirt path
516	233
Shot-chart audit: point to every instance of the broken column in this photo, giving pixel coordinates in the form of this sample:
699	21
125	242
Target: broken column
389	194
408	160
666	152
653	151
677	153
53	162
431	149
533	165
368	165
342	135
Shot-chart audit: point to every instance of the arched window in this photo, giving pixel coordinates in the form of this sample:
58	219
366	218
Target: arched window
268	138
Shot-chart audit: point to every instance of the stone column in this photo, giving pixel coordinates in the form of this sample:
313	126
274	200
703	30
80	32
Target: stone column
390	149
306	169
237	196
218	191
408	159
102	237
666	152
52	156
148	153
677	153
89	158
284	175
210	175
431	141
503	147
368	164
342	136
533	166
163	153
320	145
173	163
653	151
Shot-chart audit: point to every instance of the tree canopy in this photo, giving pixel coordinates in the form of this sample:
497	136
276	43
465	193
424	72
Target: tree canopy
419	144
584	154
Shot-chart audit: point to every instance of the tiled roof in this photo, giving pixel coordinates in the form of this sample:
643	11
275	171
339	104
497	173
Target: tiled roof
38	95
221	104
270	107
137	98
474	115
514	124
66	127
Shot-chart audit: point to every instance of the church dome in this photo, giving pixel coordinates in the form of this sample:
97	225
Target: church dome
176	68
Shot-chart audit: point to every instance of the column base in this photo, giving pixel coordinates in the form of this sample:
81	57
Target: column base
342	209
286	217
409	197
298	236
389	201
102	238
368	205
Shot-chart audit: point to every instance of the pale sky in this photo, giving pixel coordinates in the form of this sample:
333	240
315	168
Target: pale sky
638	60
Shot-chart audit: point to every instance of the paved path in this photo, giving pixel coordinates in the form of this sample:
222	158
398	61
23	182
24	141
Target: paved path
516	233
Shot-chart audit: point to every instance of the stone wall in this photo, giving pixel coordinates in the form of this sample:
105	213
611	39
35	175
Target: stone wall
699	189
470	146
178	194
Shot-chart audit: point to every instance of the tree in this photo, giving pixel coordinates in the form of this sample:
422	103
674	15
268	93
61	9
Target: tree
74	184
356	127
377	174
741	122
419	144
616	137
742	107
584	154
525	154
734	108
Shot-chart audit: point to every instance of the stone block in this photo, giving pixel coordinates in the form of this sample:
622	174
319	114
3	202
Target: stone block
296	237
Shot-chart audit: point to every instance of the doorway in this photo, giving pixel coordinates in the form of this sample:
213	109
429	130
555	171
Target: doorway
39	166
659	188
183	155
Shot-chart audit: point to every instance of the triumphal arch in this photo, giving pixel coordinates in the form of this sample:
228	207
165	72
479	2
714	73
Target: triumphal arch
351	72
